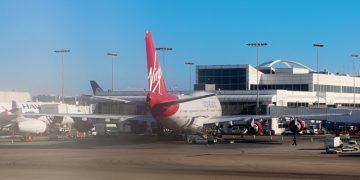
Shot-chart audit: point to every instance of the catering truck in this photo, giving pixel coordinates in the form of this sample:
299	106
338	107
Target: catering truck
333	145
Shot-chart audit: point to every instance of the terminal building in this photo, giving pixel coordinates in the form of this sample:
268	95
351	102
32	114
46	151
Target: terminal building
294	85
18	96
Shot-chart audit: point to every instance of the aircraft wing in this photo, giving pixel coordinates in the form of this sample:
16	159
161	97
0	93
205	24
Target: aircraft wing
249	118
168	103
110	98
126	100
7	125
6	122
99	116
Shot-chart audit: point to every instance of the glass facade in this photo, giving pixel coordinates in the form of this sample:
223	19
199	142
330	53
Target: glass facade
224	78
235	78
298	104
289	87
338	89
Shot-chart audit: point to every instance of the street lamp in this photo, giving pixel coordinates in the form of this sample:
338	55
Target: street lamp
113	55
317	46
62	52
257	45
164	49
190	64
354	56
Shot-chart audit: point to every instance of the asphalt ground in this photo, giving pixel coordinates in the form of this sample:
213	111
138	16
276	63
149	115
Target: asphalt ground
138	157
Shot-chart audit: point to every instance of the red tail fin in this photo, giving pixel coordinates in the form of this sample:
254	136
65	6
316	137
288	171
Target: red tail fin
155	76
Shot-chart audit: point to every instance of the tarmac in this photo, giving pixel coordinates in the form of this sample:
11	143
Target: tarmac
138	157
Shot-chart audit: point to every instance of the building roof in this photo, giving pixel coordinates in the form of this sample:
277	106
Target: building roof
14	96
287	63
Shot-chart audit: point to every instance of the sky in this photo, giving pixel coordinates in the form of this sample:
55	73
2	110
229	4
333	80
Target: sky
205	32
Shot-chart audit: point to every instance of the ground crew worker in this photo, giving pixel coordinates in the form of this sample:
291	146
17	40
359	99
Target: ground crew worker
294	140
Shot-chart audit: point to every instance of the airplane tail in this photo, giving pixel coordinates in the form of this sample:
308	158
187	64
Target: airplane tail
14	105
95	87
15	109
158	99
155	76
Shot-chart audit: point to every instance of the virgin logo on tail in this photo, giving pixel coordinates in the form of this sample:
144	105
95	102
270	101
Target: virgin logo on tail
155	76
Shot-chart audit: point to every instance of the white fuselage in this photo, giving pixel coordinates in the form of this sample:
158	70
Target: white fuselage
30	125
192	115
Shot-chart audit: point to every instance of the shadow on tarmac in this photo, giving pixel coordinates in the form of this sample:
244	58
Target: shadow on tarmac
87	143
310	149
117	142
350	154
270	142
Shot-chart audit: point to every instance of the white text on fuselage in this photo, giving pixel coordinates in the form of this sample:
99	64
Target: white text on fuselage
30	108
209	104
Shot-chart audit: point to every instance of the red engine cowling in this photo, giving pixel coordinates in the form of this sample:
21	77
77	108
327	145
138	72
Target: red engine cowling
256	128
296	126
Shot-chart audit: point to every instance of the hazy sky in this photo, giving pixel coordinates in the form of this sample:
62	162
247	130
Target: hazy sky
201	31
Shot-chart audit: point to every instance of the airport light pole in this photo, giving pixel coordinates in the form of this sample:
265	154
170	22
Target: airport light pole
354	57
164	49
317	46
62	53
190	65
257	45
113	55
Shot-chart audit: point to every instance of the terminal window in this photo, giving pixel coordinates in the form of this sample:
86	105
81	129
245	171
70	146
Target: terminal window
224	78
289	87
338	89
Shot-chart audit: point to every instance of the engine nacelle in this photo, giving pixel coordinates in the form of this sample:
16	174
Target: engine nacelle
296	125
32	126
67	120
255	128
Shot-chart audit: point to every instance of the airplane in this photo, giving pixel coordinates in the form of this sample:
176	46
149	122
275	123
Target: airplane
13	119
29	122
25	118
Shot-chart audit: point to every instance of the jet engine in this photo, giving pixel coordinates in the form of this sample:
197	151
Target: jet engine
296	125
255	128
32	126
